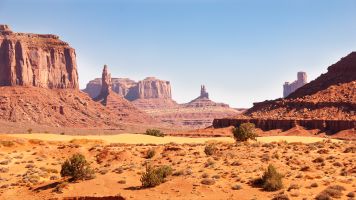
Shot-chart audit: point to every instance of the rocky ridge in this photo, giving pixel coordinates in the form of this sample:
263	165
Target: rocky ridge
328	103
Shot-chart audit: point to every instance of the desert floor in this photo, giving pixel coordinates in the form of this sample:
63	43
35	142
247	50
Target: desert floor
29	167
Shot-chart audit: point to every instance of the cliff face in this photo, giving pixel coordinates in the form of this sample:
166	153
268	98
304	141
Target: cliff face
289	88
36	60
149	88
116	103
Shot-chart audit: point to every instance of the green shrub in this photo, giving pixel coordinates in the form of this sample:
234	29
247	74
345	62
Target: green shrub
155	176
154	132
150	153
210	149
77	168
244	132
271	180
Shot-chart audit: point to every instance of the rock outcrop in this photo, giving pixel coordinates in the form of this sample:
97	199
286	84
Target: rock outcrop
39	60
199	113
328	103
39	86
204	101
149	88
116	103
289	88
149	93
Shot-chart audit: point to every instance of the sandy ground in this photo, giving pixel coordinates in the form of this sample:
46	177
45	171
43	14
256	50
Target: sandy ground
29	168
146	139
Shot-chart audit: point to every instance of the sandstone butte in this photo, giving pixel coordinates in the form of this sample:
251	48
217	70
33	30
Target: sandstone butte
327	103
154	96
40	60
39	86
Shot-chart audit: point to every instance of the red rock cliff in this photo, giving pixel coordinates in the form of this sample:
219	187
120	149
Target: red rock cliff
36	60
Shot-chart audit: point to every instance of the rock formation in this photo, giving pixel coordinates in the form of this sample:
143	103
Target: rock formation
106	85
203	93
117	103
199	113
39	60
328	103
204	101
149	88
289	88
39	86
148	93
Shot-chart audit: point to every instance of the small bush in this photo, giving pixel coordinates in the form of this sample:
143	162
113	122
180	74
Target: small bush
29	131
150	153
245	132
154	132
208	181
7	143
271	180
155	176
210	149
77	168
280	197
333	191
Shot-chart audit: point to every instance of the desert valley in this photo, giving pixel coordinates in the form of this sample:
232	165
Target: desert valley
118	138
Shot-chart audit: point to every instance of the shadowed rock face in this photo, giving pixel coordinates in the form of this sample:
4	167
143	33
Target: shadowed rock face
36	60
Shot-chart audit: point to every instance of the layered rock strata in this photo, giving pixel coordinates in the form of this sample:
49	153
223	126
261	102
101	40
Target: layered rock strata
40	60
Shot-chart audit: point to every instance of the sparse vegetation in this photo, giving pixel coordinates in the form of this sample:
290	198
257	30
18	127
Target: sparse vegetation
154	132
78	168
210	149
29	131
208	181
150	153
271	180
333	191
155	176
244	132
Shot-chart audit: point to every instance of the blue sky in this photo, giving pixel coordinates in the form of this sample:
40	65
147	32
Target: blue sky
243	51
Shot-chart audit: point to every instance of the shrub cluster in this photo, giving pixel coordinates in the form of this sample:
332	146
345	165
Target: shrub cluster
210	149
271	180
150	153
154	132
77	168
155	176
245	132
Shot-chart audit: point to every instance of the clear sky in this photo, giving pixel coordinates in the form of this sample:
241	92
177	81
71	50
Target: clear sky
242	50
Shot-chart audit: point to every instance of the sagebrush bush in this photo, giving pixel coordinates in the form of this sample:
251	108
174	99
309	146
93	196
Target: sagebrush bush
150	153
244	132
210	149
77	168
271	180
154	132
155	176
